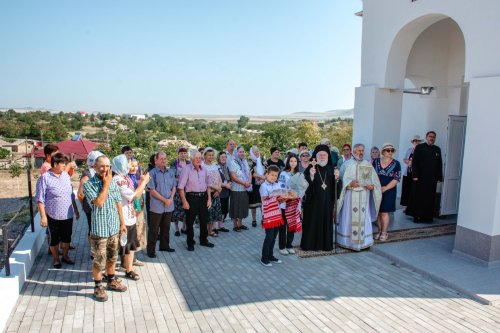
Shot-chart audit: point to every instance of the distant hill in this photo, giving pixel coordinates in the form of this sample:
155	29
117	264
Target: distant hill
319	116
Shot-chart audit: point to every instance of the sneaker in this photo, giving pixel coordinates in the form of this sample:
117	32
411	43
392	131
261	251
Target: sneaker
100	294
223	229
291	251
284	252
207	244
275	260
177	233
266	263
190	247
243	227
114	285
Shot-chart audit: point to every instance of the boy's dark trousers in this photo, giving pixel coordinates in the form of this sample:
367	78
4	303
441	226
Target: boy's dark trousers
286	238
268	246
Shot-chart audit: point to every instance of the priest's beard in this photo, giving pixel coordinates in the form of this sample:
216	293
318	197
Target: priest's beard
322	163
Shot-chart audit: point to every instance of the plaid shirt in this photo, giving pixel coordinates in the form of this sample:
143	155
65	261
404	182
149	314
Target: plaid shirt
105	221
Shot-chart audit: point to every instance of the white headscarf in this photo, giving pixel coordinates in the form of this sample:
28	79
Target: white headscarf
259	167
91	158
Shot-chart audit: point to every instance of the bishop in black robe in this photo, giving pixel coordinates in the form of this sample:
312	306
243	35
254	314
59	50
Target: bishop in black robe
427	171
317	225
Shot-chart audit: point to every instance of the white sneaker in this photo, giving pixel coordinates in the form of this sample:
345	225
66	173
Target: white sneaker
266	264
284	252
291	251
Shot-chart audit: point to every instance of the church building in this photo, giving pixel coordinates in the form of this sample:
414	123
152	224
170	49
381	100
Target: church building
435	65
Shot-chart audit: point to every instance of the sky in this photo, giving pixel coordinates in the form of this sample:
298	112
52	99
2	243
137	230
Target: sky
218	57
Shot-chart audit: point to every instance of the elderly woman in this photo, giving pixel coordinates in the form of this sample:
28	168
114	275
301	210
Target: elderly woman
304	160
257	171
215	211
87	174
133	173
56	204
226	188
121	168
242	182
374	153
179	214
389	174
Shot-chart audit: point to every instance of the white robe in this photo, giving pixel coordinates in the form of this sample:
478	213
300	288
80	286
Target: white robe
358	207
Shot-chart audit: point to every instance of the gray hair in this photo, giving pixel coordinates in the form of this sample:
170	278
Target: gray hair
357	145
324	141
193	153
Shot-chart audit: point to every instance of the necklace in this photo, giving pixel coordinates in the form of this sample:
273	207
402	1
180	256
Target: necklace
324	186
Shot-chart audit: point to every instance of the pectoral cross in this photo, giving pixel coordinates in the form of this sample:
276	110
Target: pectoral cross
323	186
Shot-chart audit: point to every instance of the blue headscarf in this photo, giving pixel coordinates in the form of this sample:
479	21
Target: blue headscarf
120	165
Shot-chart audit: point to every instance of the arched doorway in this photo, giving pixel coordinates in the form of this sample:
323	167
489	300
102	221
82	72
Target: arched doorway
430	52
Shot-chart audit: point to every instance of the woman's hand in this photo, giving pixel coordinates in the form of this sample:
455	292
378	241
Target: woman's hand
43	221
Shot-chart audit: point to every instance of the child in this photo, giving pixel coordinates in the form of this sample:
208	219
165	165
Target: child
271	219
289	211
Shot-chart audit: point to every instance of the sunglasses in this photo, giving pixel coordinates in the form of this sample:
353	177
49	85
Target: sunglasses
390	150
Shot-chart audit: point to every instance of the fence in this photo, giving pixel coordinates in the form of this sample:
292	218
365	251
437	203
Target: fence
7	248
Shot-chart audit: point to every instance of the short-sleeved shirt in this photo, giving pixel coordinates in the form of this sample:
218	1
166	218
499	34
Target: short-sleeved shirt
213	175
105	220
280	164
236	168
55	192
266	188
194	179
127	192
164	183
45	167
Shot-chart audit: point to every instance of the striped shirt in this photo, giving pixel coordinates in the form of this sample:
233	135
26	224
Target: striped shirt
105	220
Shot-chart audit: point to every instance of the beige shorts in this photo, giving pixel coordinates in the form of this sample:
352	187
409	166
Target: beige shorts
104	250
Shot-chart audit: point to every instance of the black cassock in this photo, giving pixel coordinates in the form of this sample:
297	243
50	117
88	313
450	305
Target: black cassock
317	225
427	166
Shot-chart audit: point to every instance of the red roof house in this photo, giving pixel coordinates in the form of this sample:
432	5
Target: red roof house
76	146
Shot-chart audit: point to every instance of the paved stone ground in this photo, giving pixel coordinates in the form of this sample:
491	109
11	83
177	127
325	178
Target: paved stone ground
225	289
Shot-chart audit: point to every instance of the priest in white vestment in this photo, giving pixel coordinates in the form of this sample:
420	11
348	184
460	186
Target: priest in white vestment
359	202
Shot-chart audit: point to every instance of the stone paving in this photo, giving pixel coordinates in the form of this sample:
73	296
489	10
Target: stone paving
225	289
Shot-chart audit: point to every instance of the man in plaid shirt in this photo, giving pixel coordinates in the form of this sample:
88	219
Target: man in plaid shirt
107	223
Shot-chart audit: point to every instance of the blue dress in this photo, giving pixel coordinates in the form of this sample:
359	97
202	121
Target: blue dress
386	175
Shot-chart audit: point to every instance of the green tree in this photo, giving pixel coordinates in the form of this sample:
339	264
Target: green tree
243	122
4	153
309	133
15	171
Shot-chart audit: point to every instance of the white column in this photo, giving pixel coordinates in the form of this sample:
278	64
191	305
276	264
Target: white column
478	230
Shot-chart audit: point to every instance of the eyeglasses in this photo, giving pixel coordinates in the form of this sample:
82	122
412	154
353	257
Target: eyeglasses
390	150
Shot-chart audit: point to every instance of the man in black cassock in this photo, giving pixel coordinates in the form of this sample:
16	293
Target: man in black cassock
317	225
427	171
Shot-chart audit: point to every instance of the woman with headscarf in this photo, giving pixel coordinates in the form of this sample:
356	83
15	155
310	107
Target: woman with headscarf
179	214
215	211
317	226
242	182
139	209
257	171
226	188
87	174
121	168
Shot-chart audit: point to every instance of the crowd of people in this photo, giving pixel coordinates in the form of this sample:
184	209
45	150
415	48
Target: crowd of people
129	209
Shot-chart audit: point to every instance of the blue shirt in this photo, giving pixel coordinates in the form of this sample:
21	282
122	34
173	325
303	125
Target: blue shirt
162	182
55	193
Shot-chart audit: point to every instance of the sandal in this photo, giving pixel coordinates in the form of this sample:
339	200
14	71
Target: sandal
213	234
132	275
383	236
377	236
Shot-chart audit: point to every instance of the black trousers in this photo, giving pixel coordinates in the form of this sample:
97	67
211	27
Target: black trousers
162	222
286	238
224	204
268	245
197	206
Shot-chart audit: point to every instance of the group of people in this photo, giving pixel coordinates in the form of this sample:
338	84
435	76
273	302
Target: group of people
203	187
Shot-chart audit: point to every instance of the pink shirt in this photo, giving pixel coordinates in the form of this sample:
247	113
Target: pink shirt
45	167
193	180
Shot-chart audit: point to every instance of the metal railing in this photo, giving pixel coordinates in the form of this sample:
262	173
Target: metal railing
6	247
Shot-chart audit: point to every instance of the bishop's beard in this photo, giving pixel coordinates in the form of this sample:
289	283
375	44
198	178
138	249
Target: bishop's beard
322	163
